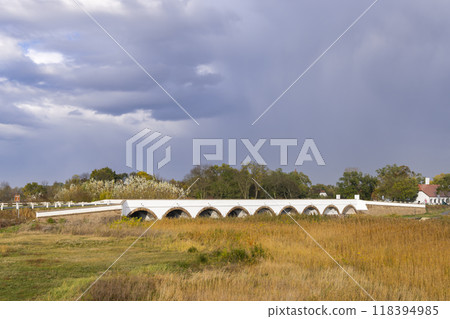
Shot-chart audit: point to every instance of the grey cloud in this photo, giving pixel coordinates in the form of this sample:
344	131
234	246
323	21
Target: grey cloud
379	96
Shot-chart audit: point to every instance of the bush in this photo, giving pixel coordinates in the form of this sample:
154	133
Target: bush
258	252
203	258
240	255
192	250
134	187
126	222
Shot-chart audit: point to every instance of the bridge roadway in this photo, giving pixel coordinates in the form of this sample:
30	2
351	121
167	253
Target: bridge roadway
192	208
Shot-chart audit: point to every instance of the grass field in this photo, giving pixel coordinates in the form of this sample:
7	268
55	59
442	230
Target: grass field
256	258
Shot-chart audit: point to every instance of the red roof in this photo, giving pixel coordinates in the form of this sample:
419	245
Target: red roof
431	190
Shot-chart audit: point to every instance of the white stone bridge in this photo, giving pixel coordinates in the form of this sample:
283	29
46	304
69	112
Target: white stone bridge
191	208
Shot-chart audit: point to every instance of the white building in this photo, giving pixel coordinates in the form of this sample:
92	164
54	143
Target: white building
323	194
428	194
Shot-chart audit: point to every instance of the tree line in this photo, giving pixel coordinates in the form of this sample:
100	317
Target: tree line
251	181
392	182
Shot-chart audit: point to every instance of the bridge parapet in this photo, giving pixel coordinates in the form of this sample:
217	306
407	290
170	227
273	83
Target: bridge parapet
159	208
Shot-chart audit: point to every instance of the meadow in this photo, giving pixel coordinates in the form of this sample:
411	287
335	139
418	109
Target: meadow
255	258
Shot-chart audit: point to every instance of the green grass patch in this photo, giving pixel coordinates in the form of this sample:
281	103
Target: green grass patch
435	214
10	229
34	266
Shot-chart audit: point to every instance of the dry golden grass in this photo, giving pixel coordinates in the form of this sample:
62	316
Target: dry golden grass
204	259
393	259
10	217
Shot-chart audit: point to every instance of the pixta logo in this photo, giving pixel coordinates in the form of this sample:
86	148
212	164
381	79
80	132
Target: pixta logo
141	148
144	145
309	148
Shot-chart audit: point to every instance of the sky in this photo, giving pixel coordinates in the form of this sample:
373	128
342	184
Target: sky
70	97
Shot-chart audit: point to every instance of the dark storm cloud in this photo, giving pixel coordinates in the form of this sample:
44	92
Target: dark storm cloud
170	43
379	96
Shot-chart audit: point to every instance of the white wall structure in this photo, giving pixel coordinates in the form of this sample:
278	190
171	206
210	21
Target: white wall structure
394	204
75	211
192	208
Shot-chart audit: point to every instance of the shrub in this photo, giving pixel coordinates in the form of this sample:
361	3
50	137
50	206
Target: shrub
192	250
257	252
126	222
134	187
240	255
203	258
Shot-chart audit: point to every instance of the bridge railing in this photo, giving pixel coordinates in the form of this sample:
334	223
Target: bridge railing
56	205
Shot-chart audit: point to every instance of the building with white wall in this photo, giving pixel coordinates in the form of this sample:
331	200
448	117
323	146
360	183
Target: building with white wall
428	194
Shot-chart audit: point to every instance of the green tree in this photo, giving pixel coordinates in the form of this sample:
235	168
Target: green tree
143	175
244	182
214	182
53	190
6	192
224	182
199	176
354	182
397	183
315	190
443	180
303	183
121	176
257	174
34	191
286	185
103	174
78	179
278	185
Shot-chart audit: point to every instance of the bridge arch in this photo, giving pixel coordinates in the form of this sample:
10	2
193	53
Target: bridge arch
265	210
331	210
142	213
349	210
209	212
311	210
288	210
177	212
238	211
